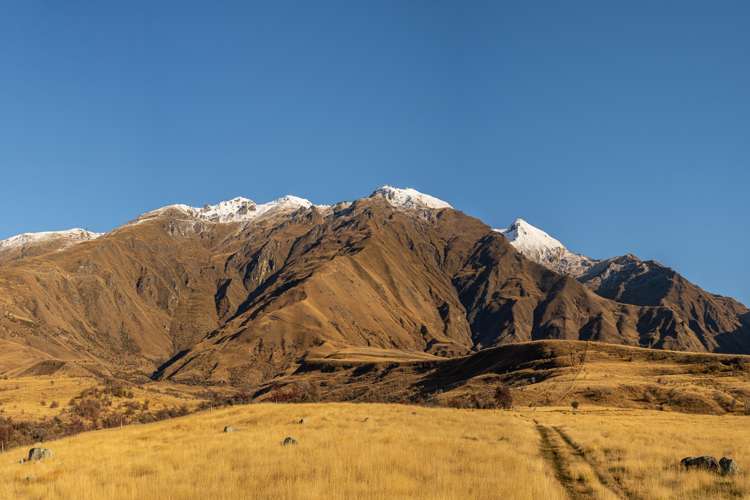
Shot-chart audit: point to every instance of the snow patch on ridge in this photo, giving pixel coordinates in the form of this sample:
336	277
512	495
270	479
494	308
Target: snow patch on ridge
542	248
238	209
74	235
243	209
409	198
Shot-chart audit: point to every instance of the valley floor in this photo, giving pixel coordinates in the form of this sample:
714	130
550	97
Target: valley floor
379	451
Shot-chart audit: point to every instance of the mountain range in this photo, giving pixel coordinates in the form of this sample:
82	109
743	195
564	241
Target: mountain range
240	293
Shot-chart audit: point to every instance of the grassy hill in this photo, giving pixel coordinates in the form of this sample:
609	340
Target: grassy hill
539	374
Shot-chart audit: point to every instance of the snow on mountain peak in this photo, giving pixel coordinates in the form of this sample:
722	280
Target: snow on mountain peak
526	237
71	236
409	198
239	209
542	248
226	211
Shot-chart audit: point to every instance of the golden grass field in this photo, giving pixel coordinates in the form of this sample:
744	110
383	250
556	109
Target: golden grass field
382	451
31	398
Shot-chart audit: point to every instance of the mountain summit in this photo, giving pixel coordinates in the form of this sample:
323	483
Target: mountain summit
30	244
630	280
237	209
409	198
544	249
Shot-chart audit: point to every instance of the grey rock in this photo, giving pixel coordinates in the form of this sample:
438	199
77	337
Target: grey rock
39	454
229	428
705	462
289	441
728	466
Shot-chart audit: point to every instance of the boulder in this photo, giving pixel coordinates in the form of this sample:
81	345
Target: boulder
39	454
228	428
728	466
289	441
705	462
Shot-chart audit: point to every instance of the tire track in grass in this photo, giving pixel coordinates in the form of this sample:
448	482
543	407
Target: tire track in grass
553	450
603	476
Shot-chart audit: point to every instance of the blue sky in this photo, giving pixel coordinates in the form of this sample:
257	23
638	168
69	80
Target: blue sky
615	126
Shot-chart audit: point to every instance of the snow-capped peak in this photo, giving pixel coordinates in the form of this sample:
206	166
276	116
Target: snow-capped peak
409	198
544	249
227	211
234	210
70	236
243	209
528	238
239	209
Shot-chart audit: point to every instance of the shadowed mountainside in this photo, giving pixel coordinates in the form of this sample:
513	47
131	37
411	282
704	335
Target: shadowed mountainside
716	321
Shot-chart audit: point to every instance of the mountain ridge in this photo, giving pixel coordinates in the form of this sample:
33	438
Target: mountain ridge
206	297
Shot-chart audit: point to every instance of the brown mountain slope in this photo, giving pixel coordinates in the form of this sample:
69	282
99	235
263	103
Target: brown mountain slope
715	320
510	299
242	303
122	302
34	244
366	276
443	283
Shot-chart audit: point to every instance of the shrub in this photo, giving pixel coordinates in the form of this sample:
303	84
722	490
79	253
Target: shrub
465	401
575	404
87	408
503	397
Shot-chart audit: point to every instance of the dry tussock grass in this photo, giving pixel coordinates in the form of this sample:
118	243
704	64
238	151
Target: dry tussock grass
642	384
344	451
31	398
23	397
640	450
379	451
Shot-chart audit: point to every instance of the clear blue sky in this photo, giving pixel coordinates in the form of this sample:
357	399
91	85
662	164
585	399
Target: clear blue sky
616	126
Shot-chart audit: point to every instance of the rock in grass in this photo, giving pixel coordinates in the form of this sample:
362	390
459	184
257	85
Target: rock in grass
705	462
39	454
728	466
289	441
229	428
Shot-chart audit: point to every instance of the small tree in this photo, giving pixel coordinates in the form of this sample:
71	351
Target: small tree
503	397
574	404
